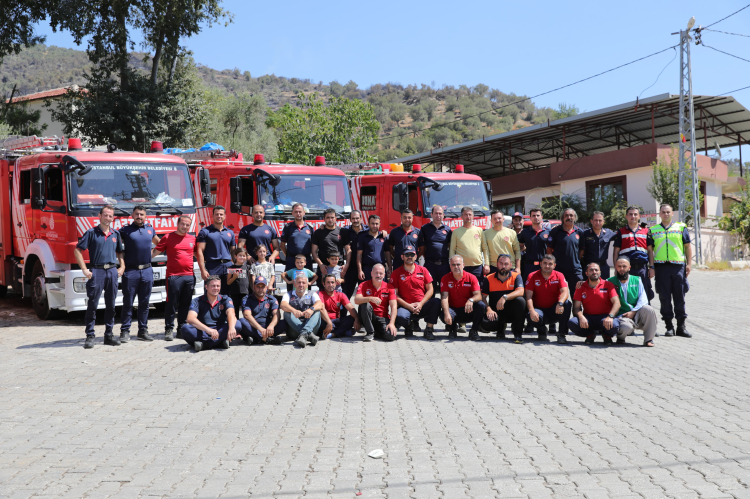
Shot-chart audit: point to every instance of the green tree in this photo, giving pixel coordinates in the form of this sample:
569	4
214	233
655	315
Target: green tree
564	111
737	221
17	24
665	180
552	208
243	126
343	131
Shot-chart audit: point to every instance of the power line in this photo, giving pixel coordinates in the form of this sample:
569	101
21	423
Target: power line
730	15
733	91
662	71
727	53
725	32
529	98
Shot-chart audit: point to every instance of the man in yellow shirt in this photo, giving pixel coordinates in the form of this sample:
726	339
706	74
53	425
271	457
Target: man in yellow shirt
499	240
467	242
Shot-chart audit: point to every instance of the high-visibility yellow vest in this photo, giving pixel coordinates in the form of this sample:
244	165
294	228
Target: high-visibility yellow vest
668	245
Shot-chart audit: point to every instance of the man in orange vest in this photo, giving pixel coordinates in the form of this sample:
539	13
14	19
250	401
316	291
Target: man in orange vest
503	292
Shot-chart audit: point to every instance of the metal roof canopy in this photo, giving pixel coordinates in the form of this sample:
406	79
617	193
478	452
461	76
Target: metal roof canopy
654	119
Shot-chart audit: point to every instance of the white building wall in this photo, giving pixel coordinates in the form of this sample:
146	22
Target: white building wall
53	127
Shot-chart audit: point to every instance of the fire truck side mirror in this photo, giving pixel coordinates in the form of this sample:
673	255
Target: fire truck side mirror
37	193
235	195
488	188
205	183
403	196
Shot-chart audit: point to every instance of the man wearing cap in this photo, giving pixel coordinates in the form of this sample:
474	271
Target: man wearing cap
335	323
635	312
105	252
499	240
466	242
600	304
414	290
302	313
326	240
631	241
259	233
377	304
179	247
402	236
594	244
517	223
434	243
138	278
564	243
211	320
372	247
670	256
296	239
503	292
215	244
461	299
547	301
260	316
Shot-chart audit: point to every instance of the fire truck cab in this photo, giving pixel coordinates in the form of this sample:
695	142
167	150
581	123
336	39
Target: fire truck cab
386	190
50	195
238	186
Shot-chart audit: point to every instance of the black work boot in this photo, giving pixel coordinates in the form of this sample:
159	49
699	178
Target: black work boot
144	336
670	328
168	334
502	327
109	339
474	335
124	336
561	339
429	333
453	331
415	326
89	343
681	331
408	331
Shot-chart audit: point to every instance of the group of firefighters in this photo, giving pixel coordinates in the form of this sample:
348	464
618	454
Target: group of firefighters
534	278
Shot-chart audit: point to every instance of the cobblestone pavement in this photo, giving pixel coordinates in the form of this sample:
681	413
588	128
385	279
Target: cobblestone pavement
454	418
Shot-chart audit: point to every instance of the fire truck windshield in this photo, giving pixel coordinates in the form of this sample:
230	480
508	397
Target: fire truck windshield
456	194
125	185
316	193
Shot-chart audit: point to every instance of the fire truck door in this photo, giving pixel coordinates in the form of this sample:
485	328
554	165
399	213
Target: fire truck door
50	219
23	227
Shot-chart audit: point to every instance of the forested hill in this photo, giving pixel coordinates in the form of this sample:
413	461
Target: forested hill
400	109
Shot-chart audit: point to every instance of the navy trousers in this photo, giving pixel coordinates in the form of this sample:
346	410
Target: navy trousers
671	284
351	279
190	334
248	330
429	313
437	272
342	325
641	270
595	326
180	289
106	281
477	270
476	316
549	316
136	283
215	267
572	276
528	268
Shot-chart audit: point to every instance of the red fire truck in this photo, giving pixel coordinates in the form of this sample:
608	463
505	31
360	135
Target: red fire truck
386	190
50	195
238	186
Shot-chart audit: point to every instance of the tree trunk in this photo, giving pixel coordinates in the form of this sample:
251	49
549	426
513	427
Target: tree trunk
121	42
157	58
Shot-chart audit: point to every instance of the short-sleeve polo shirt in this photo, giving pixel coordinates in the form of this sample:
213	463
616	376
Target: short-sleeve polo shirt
373	248
386	293
399	239
102	248
459	291
411	286
219	243
212	315
179	250
255	235
546	291
535	242
351	238
596	248
333	303
298	240
136	240
328	241
436	242
262	309
565	247
496	289
598	300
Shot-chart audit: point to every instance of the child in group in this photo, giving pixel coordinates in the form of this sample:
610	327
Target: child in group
261	267
332	268
299	262
238	282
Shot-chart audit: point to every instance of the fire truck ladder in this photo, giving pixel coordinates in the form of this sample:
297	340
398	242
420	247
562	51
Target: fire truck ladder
196	156
13	146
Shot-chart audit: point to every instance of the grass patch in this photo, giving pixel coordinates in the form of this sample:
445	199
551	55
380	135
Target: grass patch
723	265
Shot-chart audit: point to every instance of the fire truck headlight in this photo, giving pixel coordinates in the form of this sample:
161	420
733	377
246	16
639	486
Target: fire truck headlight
79	284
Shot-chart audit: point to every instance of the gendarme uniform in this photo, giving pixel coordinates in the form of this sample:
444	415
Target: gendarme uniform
669	264
633	244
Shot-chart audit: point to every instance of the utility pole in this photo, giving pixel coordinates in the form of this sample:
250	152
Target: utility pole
687	133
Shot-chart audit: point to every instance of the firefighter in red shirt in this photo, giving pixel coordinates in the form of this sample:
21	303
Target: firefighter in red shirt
461	299
377	306
547	299
600	304
414	289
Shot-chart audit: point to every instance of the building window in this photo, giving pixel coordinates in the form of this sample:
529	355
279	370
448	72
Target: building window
510	206
601	190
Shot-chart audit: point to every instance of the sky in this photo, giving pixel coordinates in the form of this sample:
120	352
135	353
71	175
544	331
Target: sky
523	47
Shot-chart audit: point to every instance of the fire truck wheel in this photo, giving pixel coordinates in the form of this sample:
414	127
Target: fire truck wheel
39	295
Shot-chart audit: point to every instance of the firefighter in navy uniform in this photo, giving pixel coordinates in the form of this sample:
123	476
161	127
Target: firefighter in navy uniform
105	252
669	255
630	241
138	278
211	321
594	244
434	243
215	244
564	243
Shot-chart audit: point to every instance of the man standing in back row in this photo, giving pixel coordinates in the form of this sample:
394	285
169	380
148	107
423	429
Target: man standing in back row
434	243
401	237
630	241
215	244
594	244
259	233
500	240
326	240
564	243
466	242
